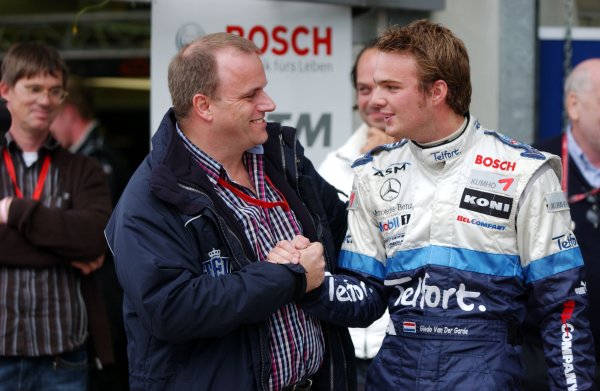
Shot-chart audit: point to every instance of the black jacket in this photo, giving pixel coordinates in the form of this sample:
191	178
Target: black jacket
587	236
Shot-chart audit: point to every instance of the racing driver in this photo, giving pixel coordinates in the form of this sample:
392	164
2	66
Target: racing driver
459	231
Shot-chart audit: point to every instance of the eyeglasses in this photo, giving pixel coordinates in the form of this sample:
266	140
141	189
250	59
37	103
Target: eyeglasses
55	95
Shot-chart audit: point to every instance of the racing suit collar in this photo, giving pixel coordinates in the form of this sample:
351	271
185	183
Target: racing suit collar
437	156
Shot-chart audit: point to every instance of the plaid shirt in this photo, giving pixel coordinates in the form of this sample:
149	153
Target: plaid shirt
296	339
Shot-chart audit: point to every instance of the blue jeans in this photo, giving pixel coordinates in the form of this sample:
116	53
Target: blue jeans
63	372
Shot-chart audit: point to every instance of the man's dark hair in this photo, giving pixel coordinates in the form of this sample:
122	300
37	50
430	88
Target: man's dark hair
369	45
439	55
29	59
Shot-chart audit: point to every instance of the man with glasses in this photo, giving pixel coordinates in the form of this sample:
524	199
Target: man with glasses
53	208
579	148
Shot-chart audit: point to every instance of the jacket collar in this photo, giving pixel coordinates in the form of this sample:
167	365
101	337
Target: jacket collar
439	155
49	144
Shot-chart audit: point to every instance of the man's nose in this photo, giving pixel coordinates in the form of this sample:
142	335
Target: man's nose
266	104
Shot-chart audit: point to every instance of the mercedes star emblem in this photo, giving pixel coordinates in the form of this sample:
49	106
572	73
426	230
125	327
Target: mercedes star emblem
390	189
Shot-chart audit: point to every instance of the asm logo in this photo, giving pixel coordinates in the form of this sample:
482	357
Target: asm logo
391	169
486	203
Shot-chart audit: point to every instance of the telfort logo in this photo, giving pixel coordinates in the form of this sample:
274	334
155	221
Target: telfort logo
440	156
421	294
486	203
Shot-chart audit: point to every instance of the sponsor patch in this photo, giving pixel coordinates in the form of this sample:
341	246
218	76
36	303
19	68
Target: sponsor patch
556	202
394	240
394	222
566	241
421	294
392	210
480	223
391	169
352	200
390	190
217	265
409	327
568	357
582	289
490	181
490	162
442	156
486	203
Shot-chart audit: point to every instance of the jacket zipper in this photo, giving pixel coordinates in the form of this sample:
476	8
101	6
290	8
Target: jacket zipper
220	224
223	233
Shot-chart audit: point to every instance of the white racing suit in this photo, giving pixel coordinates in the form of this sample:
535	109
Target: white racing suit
459	241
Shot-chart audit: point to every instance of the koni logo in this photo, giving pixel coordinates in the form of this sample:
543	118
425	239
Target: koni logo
486	203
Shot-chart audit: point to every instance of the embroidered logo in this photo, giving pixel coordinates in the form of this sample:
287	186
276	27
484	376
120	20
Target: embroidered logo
217	265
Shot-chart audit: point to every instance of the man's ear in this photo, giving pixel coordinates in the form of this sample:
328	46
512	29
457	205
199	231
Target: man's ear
202	106
572	106
438	92
3	89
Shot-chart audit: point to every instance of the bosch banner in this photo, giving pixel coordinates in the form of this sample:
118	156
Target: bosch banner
306	52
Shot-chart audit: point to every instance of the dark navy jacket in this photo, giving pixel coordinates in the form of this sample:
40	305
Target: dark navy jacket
188	330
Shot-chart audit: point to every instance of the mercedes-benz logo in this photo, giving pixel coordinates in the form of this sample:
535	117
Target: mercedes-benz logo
390	189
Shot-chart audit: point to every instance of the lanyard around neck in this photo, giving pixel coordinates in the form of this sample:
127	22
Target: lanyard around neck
10	167
254	201
565	174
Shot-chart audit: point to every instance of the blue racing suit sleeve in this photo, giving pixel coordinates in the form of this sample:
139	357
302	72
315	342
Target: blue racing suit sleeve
553	271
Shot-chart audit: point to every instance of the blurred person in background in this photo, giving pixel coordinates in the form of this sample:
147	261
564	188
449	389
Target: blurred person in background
53	208
579	149
78	130
337	170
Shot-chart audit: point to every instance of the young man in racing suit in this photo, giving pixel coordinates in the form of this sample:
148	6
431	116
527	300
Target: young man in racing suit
459	231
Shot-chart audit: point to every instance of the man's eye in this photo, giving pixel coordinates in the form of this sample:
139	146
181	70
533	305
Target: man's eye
35	89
